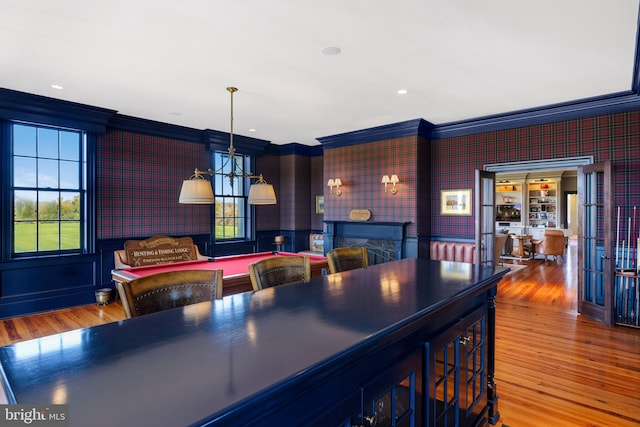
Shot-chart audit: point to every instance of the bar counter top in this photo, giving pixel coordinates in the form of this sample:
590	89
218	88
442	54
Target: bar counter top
204	362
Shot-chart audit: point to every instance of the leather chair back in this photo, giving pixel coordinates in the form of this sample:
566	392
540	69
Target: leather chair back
279	270
552	243
344	259
498	250
170	289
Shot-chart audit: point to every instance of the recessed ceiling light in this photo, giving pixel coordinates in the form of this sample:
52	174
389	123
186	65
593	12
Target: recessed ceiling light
331	50
252	130
58	87
402	92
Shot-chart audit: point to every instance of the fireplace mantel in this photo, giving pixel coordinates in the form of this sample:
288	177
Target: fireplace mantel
392	232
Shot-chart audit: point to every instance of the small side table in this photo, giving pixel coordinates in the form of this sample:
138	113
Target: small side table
519	251
278	241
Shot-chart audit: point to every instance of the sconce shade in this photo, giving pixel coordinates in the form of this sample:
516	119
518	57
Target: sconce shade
196	192
393	180
334	182
262	194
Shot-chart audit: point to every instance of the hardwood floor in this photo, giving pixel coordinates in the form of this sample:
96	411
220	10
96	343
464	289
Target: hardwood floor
553	366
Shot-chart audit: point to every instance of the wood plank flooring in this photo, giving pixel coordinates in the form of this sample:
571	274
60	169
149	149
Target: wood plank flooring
553	366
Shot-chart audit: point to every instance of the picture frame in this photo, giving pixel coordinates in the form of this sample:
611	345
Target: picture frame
455	202
319	204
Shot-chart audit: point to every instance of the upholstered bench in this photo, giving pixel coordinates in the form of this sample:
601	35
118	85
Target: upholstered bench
452	251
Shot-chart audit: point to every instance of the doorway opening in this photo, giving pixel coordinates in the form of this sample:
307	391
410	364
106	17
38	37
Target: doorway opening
570	214
542	208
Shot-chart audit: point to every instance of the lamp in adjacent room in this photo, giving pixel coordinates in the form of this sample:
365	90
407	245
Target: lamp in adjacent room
197	189
334	182
393	180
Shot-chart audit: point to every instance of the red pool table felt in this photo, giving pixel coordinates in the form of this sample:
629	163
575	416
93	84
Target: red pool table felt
232	266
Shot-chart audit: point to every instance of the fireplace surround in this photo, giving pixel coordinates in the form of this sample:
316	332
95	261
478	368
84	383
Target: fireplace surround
385	241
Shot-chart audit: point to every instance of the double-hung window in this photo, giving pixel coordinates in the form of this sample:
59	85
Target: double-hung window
231	220
48	189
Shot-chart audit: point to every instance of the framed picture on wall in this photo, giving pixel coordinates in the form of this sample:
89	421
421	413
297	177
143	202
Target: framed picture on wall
455	202
319	204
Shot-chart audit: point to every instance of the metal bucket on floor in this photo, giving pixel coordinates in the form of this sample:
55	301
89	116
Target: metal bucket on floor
103	296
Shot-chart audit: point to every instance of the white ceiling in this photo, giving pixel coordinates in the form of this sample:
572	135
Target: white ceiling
171	61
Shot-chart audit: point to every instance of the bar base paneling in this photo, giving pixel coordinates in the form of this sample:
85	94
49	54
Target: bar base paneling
41	284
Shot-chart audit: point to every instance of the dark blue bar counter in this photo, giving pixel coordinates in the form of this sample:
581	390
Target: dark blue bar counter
301	354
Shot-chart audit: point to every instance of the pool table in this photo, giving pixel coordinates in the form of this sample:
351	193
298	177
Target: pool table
235	269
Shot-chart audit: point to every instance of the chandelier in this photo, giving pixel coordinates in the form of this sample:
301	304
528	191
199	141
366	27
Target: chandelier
197	189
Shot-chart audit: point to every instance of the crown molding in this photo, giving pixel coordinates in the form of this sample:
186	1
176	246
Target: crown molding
218	140
295	148
15	105
413	127
152	127
607	104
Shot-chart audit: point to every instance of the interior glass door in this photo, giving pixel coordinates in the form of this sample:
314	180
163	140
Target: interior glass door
595	244
485	211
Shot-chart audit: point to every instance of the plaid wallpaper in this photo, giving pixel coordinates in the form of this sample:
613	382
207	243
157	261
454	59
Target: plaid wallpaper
317	189
295	185
139	176
138	180
614	137
268	216
297	180
361	167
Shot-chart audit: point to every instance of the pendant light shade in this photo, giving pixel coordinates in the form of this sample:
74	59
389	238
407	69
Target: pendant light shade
262	193
196	191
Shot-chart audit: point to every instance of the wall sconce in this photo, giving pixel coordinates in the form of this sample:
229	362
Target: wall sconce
334	182
393	180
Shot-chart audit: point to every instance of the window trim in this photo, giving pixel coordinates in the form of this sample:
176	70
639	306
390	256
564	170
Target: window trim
86	161
249	226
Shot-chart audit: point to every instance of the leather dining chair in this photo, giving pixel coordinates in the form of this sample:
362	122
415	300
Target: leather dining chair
343	259
169	289
500	242
279	270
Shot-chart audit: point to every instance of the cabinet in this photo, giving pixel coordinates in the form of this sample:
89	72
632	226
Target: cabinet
392	398
543	204
509	203
456	372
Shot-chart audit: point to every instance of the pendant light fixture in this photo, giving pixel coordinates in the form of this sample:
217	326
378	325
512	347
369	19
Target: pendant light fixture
197	189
